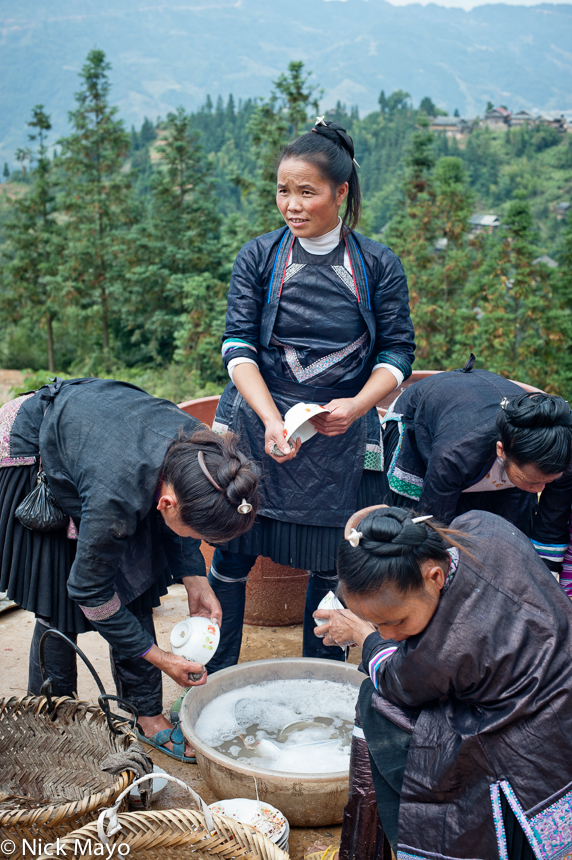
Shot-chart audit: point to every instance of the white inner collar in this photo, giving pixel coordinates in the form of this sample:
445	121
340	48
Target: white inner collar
323	244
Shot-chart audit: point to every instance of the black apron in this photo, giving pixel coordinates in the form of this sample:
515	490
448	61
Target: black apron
319	487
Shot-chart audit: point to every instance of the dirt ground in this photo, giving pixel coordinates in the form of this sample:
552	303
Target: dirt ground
16	627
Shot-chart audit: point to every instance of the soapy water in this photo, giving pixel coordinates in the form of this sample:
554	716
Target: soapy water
301	726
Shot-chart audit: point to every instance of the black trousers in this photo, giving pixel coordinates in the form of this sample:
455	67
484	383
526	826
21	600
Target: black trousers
136	680
388	747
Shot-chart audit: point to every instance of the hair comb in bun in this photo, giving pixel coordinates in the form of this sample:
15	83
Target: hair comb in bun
332	126
354	537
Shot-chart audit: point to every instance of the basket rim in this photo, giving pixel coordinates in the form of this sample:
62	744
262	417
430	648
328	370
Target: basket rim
139	819
54	814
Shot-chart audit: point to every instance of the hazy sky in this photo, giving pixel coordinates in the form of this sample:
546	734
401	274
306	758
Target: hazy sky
463	4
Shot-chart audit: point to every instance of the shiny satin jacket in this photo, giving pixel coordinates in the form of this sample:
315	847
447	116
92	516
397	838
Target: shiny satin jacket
102	445
316	331
486	690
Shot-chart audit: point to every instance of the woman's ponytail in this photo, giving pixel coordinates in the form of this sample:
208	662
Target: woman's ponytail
331	150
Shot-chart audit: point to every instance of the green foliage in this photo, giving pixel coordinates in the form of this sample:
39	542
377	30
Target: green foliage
116	255
34	242
519	327
96	201
176	240
274	122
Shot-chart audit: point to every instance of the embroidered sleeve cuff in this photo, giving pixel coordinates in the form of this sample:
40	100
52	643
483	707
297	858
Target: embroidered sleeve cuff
396	372
237	348
550	552
234	362
376	662
395	360
103	611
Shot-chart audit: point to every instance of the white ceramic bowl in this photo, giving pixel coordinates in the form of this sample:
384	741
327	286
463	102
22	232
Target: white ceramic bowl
262	816
196	639
297	421
158	785
330	601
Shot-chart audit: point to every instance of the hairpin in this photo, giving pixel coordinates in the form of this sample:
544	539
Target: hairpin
244	507
504	402
320	121
354	537
206	473
422	519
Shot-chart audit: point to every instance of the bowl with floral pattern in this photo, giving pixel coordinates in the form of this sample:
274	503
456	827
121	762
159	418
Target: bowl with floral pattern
196	639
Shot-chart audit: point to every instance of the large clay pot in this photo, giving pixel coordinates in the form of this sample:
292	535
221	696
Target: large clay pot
275	594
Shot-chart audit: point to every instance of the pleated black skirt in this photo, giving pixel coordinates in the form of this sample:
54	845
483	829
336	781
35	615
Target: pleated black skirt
35	566
303	546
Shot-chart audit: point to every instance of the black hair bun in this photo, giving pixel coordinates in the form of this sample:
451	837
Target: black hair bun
537	411
391	532
337	134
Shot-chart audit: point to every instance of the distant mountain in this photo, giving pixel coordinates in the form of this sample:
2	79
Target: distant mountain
177	52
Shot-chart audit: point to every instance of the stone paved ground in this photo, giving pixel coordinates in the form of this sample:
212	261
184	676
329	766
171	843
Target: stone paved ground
16	628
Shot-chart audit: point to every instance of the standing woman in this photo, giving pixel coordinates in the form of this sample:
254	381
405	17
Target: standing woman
143	482
316	314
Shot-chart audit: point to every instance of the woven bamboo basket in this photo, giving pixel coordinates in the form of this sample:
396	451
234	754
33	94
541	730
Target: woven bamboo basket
172	834
50	779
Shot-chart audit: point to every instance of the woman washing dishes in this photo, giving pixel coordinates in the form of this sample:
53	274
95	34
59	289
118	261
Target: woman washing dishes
467	713
316	314
143	482
471	440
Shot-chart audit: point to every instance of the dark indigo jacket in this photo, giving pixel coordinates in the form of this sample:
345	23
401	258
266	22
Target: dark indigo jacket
102	446
448	443
251	318
486	690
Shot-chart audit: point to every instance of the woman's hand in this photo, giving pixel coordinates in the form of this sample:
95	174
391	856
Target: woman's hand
202	599
274	435
176	667
344	628
342	415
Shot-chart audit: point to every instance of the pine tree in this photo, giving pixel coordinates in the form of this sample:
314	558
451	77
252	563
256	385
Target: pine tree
34	240
96	199
273	124
431	236
519	327
176	242
6	172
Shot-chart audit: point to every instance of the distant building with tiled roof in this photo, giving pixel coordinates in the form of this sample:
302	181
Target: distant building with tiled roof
497	117
523	117
451	126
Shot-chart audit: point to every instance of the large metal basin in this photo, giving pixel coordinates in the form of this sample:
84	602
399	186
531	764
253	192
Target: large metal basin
306	800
